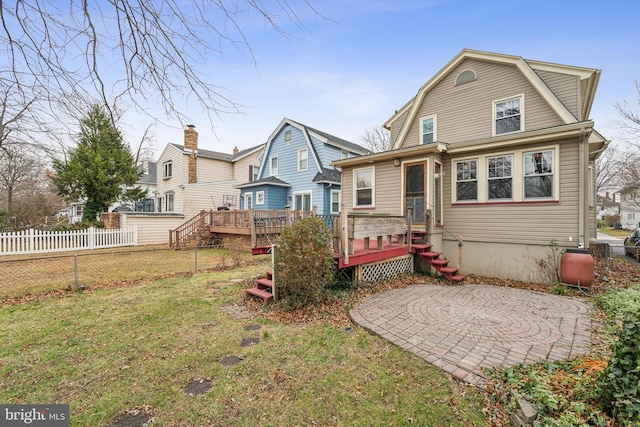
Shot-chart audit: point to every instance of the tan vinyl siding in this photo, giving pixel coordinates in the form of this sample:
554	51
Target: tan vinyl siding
207	196
465	112
565	87
153	229
214	170
241	167
178	178
525	223
387	189
397	125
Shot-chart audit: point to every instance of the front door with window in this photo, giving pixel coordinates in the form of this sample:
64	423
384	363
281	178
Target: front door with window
415	184
248	201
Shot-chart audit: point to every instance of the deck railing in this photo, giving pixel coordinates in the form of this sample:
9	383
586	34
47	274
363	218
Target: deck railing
265	226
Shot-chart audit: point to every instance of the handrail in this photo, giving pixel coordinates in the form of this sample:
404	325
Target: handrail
178	235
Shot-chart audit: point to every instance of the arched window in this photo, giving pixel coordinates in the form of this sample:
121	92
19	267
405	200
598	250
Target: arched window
466	76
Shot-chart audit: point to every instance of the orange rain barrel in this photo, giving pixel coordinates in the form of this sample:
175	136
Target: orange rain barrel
576	268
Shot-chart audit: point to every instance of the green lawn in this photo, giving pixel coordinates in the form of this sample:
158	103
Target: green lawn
110	350
613	232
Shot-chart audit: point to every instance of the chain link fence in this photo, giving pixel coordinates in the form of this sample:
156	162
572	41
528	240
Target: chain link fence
25	275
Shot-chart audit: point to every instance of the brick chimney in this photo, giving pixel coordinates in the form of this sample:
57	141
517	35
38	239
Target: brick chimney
191	143
235	150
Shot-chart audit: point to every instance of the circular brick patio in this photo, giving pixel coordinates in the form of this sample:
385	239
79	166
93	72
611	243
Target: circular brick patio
463	329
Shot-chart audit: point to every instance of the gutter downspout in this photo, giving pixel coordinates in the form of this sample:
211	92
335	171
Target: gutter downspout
581	189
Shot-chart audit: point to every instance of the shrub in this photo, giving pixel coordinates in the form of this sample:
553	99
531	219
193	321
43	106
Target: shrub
303	263
619	386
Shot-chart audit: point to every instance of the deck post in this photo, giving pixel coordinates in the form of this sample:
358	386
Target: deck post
252	224
344	222
460	244
409	221
287	213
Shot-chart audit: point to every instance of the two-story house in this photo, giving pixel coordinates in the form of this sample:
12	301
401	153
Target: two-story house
495	155
630	206
295	170
190	179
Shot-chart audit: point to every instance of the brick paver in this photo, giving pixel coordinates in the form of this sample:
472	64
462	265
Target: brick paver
462	329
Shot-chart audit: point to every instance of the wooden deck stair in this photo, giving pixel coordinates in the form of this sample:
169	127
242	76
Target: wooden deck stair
423	249
263	288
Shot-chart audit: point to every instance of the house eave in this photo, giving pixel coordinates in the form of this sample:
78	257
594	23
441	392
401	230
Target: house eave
259	184
540	135
387	155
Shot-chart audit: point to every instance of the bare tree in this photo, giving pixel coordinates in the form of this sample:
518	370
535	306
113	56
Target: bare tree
131	50
630	115
19	174
616	168
377	139
145	146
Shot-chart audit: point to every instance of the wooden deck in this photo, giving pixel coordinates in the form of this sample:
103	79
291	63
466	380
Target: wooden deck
362	255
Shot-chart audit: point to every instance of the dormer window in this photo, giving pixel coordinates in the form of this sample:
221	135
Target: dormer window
466	76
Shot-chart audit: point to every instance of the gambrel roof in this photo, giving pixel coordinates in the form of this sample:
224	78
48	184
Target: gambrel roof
588	78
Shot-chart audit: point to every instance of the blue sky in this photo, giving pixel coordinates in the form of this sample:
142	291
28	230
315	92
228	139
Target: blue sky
349	71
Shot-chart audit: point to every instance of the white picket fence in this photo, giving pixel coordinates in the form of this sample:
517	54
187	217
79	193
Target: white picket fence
36	241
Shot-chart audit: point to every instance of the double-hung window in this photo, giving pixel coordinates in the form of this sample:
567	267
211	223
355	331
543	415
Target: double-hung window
467	180
335	201
167	170
500	177
364	179
538	174
259	197
273	166
303	159
428	129
168	202
507	114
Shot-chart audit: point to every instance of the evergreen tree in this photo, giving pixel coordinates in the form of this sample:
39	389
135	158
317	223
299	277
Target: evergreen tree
100	169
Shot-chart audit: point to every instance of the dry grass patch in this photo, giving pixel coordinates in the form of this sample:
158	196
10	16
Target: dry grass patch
106	351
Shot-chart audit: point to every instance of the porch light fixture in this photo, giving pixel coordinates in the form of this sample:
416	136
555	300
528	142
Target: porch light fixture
396	162
441	147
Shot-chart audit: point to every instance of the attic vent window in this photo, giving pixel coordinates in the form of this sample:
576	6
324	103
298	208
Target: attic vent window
287	135
467	76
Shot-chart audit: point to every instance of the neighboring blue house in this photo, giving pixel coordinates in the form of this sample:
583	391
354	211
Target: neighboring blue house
294	170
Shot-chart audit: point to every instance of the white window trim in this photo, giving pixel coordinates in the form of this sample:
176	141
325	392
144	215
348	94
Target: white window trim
306	150
373	187
555	172
248	196
434	117
339	193
493	114
271	172
493	156
165	166
475	77
259	197
166	202
440	190
454	179
344	154
302	193
517	173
